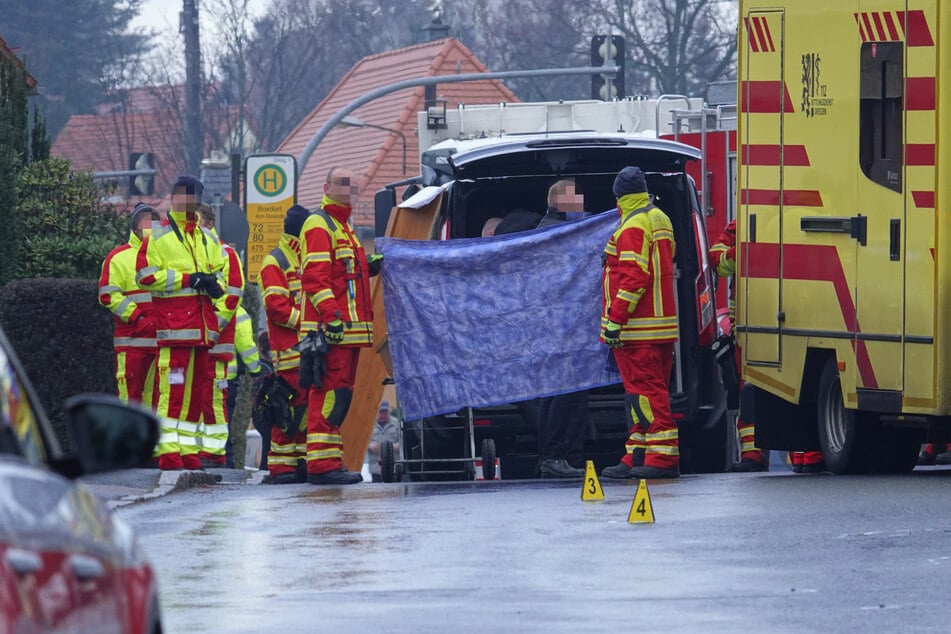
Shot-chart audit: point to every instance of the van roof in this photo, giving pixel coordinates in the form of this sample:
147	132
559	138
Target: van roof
478	149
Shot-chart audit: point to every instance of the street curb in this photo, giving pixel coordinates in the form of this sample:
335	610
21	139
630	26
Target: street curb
168	482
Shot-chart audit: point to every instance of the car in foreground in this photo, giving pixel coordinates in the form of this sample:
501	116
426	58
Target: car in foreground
66	563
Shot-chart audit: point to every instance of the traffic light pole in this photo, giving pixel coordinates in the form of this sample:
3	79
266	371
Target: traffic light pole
432	81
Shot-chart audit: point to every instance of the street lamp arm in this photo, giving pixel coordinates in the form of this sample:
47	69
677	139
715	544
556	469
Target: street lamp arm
432	81
399	132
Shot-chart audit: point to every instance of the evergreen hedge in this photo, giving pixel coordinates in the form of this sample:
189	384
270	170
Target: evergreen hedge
62	337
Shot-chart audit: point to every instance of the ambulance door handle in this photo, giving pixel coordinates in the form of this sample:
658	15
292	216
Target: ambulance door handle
752	236
859	228
894	240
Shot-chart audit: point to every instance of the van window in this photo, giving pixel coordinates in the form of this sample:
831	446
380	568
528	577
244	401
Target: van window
880	112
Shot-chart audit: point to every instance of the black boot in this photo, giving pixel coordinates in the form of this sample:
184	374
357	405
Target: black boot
747	465
337	476
655	473
550	468
286	478
619	471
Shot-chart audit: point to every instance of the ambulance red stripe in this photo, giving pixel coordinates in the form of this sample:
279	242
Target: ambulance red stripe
880	34
769	36
858	21
919	154
818	263
917	32
763	97
920	93
791	197
893	34
793	155
752	36
923	199
763	40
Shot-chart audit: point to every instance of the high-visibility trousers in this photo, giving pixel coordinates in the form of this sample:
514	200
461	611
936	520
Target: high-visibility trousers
746	429
135	374
327	407
181	395
214	423
645	371
287	449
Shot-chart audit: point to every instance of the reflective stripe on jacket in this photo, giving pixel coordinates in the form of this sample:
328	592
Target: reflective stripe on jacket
226	306
281	292
638	278
244	345
183	316
131	306
335	276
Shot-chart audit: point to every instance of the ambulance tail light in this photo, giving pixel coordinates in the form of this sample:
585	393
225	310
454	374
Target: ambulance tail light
482	422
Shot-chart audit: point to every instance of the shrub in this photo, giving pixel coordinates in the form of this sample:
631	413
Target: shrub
66	230
62	337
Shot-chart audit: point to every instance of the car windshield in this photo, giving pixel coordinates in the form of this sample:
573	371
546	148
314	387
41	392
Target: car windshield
19	431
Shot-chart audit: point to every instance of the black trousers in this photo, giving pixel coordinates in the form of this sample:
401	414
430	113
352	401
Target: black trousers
562	421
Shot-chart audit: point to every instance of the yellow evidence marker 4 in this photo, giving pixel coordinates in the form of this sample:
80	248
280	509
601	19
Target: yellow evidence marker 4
641	510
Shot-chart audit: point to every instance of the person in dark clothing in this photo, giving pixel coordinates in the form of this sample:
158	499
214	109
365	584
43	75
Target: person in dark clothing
562	419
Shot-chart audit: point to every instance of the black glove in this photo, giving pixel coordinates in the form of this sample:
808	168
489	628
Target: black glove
375	261
205	283
313	350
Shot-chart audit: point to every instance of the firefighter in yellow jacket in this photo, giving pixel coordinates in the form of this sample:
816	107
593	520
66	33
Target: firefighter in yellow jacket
723	257
134	337
281	292
639	322
335	276
181	265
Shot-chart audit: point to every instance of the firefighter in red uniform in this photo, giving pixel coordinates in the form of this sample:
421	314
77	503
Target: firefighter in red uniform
639	322
335	280
134	337
723	257
281	291
181	265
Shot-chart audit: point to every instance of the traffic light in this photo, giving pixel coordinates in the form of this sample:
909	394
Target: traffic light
141	184
613	51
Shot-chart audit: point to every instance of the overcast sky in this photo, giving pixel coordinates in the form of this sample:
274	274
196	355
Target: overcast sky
162	15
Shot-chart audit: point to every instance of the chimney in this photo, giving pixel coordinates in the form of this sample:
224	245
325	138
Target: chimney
436	29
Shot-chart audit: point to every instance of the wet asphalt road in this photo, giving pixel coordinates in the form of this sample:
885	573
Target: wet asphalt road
773	552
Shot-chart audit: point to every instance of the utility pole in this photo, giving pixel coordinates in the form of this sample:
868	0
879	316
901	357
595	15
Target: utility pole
194	137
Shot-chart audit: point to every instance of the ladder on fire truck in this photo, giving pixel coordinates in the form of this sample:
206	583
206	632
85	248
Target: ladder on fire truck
694	127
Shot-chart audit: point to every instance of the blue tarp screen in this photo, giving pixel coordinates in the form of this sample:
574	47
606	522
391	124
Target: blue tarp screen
487	321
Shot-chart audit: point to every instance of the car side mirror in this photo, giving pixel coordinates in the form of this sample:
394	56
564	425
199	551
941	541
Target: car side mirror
109	434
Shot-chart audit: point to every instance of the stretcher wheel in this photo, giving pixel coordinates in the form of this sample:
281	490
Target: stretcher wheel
387	471
488	459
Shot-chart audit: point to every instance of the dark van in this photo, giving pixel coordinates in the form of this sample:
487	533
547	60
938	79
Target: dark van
491	177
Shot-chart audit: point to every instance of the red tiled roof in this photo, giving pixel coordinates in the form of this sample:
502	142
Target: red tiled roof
374	155
6	52
103	142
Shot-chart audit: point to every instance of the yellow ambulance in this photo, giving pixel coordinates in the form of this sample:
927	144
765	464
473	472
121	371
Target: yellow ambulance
841	304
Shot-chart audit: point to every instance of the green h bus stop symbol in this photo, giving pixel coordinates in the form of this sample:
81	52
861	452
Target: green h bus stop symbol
270	180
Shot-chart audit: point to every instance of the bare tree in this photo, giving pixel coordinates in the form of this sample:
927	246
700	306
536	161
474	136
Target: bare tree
675	46
527	34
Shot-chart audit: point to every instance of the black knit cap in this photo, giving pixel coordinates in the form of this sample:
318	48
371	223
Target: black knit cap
191	185
138	210
294	220
630	180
